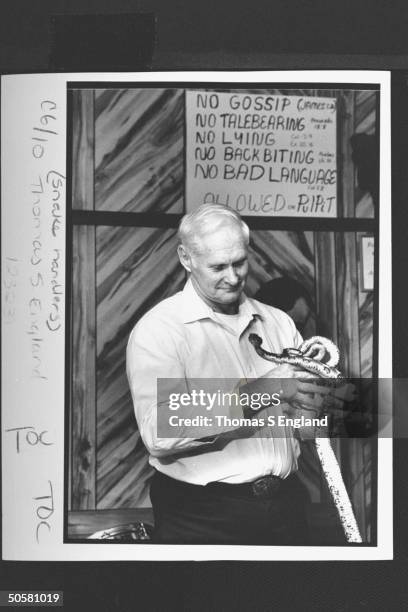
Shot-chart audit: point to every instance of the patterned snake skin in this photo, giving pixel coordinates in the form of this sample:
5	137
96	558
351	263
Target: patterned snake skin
309	357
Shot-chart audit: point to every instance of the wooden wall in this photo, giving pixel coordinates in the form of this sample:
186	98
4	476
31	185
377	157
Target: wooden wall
139	150
136	268
128	157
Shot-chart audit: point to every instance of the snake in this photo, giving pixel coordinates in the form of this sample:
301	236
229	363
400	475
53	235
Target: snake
309	357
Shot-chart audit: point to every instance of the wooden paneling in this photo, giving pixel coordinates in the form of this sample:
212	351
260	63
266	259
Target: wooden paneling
83	149
355	313
347	300
366	313
139	156
365	110
359	490
326	290
83	369
281	253
136	268
83	413
346	128
366	335
349	344
326	299
361	450
365	123
275	254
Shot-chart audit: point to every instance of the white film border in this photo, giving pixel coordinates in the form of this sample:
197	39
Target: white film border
34	125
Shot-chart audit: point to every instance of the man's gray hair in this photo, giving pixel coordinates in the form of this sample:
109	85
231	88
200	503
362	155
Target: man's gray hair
208	218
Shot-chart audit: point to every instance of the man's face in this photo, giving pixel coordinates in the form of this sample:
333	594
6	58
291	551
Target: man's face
219	267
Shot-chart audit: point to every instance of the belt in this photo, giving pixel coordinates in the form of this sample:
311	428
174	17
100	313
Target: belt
266	487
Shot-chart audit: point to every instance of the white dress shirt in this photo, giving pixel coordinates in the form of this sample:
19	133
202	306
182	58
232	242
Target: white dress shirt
183	338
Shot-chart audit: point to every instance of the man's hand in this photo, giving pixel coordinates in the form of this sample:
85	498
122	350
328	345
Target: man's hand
297	391
317	395
309	396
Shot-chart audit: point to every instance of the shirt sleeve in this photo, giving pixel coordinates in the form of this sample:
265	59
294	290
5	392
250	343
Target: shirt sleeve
153	352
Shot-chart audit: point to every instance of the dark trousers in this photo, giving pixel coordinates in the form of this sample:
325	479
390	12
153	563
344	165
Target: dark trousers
227	514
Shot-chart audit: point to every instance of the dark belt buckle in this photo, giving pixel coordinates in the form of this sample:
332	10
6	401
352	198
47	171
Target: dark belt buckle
266	487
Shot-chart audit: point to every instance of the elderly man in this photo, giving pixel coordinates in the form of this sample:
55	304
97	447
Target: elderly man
235	487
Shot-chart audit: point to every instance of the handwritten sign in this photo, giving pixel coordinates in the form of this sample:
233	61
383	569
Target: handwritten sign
264	155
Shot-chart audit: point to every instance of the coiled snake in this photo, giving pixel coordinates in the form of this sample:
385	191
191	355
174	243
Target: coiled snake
309	357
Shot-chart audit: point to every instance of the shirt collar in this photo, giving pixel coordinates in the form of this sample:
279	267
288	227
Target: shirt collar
194	308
